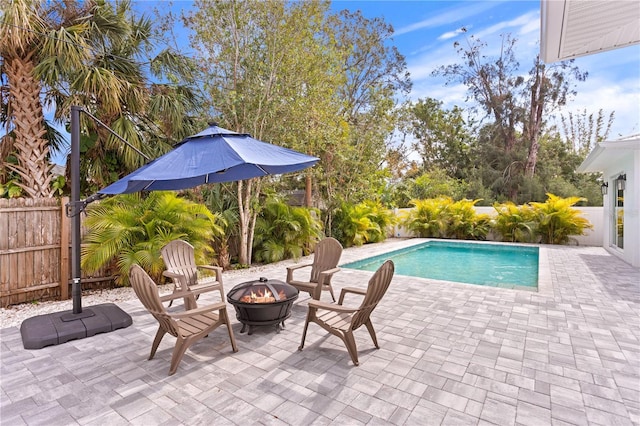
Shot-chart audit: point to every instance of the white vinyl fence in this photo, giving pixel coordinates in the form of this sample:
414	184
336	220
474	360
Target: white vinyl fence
593	237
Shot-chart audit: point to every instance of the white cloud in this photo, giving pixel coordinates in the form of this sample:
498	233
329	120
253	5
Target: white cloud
451	34
620	97
452	15
523	24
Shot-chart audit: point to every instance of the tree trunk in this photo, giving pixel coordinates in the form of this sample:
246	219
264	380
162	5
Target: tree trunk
244	215
307	190
247	189
532	128
30	145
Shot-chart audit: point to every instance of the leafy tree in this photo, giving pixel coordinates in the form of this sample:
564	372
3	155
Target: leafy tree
256	59
294	74
442	137
131	229
376	77
583	132
517	104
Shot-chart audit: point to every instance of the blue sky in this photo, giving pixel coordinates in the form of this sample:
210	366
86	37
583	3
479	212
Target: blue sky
426	30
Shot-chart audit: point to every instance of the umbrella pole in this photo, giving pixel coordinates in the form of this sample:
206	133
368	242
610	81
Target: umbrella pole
76	286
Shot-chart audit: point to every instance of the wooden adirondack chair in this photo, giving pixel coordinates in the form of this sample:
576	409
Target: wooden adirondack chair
325	261
179	258
187	327
342	321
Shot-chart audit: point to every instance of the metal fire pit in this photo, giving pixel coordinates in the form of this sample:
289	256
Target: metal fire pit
254	306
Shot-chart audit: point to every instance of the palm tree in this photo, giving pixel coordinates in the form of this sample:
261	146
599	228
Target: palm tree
20	45
92	54
131	229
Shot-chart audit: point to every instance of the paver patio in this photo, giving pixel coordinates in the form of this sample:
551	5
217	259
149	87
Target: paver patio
449	354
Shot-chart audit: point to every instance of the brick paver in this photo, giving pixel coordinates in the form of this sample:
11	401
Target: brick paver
451	354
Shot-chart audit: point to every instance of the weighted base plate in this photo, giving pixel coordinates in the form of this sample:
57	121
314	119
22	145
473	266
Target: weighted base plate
60	327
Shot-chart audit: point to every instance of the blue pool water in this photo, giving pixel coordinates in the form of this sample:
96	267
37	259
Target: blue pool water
493	265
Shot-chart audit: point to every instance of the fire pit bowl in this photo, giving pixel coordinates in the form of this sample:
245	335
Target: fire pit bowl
262	302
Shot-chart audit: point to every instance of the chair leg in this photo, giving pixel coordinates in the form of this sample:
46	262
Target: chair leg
304	331
232	337
331	291
372	332
178	352
350	343
156	341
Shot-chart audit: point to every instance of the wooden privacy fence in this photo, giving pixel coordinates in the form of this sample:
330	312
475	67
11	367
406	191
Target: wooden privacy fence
34	251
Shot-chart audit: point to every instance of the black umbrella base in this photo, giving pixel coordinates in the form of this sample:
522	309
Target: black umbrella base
60	327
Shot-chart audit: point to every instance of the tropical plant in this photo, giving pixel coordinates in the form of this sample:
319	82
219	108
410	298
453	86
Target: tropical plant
366	222
284	231
463	223
427	218
131	229
221	200
557	219
382	216
515	223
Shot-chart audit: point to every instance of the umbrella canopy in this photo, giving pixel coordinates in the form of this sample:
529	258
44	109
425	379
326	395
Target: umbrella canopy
213	155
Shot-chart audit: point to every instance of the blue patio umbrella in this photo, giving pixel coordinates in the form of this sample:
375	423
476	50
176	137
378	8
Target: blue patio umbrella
213	155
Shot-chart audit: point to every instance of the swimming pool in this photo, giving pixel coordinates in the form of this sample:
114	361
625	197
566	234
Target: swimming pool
495	265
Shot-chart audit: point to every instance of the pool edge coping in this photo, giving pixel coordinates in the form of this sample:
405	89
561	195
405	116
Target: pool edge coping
545	281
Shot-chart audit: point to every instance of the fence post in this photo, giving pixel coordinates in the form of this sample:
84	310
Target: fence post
64	250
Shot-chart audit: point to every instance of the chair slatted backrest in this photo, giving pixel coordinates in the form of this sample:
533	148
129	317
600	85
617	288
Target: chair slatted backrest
178	256
326	256
378	285
147	292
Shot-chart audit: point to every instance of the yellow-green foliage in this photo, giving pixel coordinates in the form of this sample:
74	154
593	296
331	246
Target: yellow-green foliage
557	219
444	218
367	222
515	223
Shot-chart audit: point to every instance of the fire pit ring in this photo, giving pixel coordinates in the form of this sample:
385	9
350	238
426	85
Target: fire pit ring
262	302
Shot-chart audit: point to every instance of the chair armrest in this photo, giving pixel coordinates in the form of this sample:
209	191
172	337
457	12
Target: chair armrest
174	296
178	279
345	290
201	310
316	304
290	269
325	276
216	269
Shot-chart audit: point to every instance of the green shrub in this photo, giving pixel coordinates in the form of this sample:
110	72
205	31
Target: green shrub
131	229
515	223
557	220
444	218
367	222
428	218
551	222
284	232
463	223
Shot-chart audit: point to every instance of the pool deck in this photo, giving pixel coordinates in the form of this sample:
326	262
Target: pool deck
449	354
